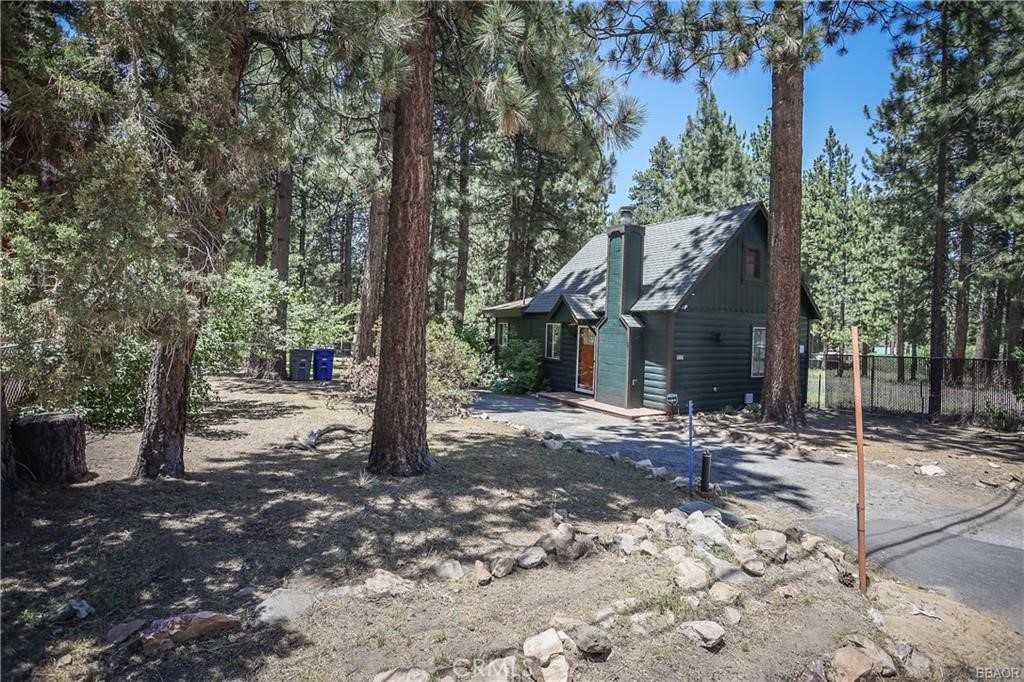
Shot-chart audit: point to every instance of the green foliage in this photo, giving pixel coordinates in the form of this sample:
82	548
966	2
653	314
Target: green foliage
519	366
453	367
240	319
318	323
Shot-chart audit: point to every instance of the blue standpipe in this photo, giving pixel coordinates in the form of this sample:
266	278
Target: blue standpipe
689	450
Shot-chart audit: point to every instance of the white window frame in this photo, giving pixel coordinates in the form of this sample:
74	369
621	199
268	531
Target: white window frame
753	348
549	352
502	333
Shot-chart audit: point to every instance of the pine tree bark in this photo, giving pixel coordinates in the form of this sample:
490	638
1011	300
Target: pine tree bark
527	259
963	300
465	212
376	243
937	321
161	452
302	240
399	443
282	236
51	447
781	390
260	257
345	269
515	225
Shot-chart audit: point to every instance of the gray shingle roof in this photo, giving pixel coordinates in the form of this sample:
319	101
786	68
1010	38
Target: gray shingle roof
582	307
676	252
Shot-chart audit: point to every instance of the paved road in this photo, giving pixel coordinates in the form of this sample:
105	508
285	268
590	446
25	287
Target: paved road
973	550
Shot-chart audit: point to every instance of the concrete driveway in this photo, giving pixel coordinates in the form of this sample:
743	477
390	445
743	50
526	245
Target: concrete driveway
972	548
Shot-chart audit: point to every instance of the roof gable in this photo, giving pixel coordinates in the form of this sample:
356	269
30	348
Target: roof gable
676	253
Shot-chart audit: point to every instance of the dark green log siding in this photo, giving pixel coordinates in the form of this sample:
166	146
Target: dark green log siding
611	337
655	359
560	374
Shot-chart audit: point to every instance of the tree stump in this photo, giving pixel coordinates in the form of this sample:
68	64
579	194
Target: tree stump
51	447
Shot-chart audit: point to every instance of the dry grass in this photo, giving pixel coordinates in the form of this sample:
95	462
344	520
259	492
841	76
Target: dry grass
255	513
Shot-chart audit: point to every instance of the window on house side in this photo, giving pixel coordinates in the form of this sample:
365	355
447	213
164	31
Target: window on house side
502	333
552	341
752	264
757	344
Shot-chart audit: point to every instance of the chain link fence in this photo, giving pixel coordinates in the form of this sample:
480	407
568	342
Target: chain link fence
984	390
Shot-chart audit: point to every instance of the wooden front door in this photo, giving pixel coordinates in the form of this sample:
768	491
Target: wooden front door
585	340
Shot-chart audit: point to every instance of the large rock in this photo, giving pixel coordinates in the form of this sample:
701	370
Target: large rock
557	539
168	632
706	508
76	608
704	531
543	646
648	547
284	604
676	554
851	664
719	568
592	640
674	518
532	557
771	543
724	593
480	573
707	633
448	570
502	567
691	574
627	543
402	675
883	662
644	464
384	584
813	672
919	665
577	549
809	543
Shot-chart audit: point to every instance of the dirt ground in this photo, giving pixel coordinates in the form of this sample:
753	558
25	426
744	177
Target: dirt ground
254	513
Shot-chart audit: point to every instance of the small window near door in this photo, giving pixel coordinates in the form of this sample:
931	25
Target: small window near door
751	264
502	333
553	341
757	344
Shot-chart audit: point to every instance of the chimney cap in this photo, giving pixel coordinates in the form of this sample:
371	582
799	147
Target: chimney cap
626	215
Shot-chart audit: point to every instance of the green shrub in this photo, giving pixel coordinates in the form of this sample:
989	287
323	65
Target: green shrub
519	366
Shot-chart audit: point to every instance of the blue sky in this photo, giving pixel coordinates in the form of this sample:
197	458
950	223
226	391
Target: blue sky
835	92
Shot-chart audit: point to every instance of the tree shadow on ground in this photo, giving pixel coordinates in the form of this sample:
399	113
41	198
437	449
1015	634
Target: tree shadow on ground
265	517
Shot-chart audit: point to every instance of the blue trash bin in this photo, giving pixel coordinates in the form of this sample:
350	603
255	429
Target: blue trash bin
323	364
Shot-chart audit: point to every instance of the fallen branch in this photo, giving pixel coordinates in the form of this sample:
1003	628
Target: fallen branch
311	440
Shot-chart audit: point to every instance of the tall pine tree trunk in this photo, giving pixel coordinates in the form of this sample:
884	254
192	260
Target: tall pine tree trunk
515	224
345	274
937	330
781	391
282	237
161	452
376	243
465	210
260	256
527	260
963	300
399	443
302	240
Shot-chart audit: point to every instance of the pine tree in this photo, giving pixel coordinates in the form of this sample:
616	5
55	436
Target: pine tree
650	189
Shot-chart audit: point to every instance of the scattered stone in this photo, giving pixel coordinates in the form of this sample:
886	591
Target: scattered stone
851	664
931	470
674	518
543	646
784	591
720	569
384	584
691	574
76	608
637	530
648	547
448	570
557	539
402	675
680	482
810	543
552	444
480	572
592	640
724	593
660	473
732	615
644	464
884	664
813	672
604	617
123	631
754	567
498	670
284	604
547	435
676	554
168	632
645	621
707	633
531	557
728	518
502	567
771	543
919	665
692	600
560	622
704	531
558	669
794	534
654	528
627	543
577	549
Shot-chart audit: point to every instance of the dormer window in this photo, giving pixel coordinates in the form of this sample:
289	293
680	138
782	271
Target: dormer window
751	264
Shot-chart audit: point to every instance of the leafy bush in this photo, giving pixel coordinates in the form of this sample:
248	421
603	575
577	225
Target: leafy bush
453	367
318	323
519	366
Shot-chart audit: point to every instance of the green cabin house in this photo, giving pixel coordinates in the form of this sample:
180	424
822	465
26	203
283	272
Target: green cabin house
672	308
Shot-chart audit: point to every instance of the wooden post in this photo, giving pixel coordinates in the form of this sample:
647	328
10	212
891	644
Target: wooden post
858	411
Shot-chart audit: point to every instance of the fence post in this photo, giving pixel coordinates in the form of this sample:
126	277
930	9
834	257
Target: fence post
873	359
974	386
920	388
820	378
